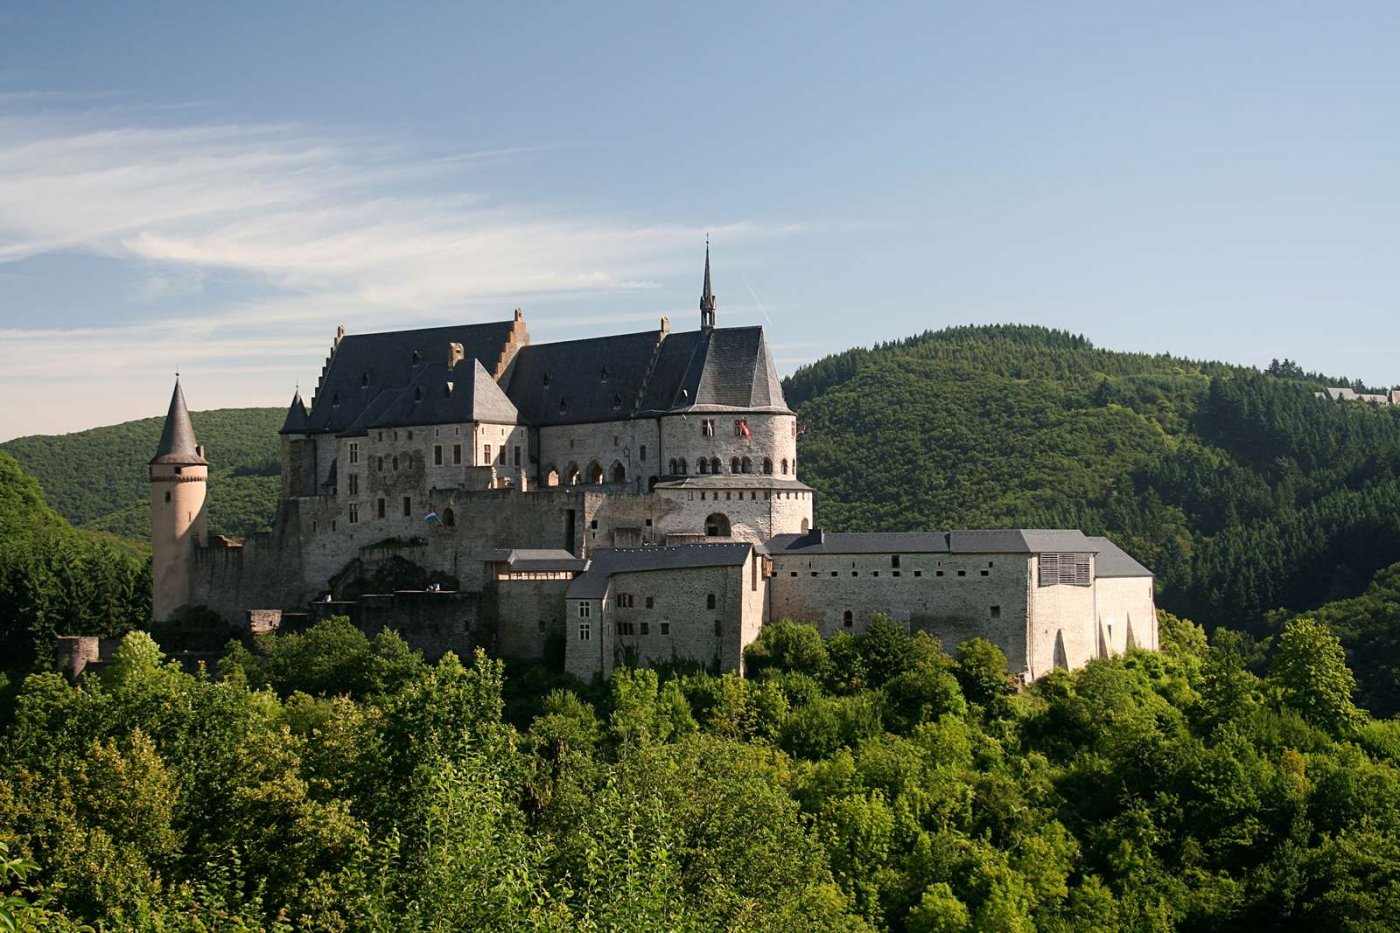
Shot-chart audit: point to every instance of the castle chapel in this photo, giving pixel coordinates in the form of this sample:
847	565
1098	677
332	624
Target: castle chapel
623	499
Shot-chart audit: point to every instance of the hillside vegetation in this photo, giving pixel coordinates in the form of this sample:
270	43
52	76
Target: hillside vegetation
1240	489
97	478
328	782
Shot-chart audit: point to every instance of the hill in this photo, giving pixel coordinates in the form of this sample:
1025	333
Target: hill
1240	489
97	478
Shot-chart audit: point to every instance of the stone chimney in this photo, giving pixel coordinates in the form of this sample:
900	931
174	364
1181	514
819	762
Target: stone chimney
454	354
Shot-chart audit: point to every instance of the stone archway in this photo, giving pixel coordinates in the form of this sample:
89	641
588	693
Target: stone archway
619	472
717	525
595	473
551	476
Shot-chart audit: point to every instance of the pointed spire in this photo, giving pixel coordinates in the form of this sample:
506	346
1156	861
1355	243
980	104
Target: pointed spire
177	443
707	297
298	421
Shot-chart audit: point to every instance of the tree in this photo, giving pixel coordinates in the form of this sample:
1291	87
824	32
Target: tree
1311	672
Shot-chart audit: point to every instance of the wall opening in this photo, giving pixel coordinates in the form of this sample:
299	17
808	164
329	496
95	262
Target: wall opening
717	525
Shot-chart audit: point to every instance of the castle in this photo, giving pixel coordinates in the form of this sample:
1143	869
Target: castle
629	499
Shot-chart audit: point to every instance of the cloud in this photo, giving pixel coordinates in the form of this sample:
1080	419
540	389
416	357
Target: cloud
315	228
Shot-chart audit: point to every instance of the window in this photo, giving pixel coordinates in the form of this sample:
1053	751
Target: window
710	601
456	454
681	463
585	631
354	452
517	455
1067	569
986	573
741	428
381	464
407	506
626	628
646	628
642	452
746	465
354	484
624	600
437	455
380	507
994	612
354	513
707	427
672	464
704	467
767	466
167	497
396	462
848	619
894	561
734	465
714	464
651	602
486	455
665	628
785	466
718	627
449	518
585	610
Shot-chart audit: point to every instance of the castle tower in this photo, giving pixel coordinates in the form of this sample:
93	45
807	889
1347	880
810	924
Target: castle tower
707	297
178	473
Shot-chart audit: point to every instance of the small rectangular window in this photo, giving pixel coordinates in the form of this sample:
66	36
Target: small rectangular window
585	631
710	601
486	455
354	453
407	506
584	610
894	562
651	602
456	454
517	455
665	628
717	626
995	612
380	508
646	628
354	513
624	600
642	452
354	484
437	455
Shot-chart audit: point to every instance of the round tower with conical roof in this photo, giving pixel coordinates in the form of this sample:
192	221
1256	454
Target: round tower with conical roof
178	474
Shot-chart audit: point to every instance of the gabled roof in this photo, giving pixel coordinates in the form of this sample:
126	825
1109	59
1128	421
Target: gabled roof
543	560
363	366
297	421
177	444
605	562
722	368
439	395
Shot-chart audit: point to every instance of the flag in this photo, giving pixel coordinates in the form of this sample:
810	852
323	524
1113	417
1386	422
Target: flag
744	429
431	517
802	429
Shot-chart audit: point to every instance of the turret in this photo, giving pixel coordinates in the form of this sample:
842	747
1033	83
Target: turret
298	451
178	474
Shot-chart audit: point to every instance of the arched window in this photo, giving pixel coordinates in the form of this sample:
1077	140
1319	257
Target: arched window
806	526
449	518
681	464
848	619
714	464
573	474
785	466
768	466
672	464
551	476
734	465
595	473
747	465
396	462
717	525
619	473
704	467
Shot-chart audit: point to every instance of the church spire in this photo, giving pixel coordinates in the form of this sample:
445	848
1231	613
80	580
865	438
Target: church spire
177	443
707	297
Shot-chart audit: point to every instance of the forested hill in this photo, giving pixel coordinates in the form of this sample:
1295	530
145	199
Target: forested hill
97	478
1240	489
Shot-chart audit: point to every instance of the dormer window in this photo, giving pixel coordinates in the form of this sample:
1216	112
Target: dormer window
417	357
563	405
364	381
604	374
617	401
546	377
418	394
447	390
335	400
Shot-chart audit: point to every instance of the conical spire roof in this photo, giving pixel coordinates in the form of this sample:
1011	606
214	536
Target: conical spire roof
298	421
177	443
707	297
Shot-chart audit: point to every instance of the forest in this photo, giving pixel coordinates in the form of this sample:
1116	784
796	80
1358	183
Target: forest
330	782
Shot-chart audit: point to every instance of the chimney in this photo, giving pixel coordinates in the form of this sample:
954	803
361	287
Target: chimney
454	354
665	326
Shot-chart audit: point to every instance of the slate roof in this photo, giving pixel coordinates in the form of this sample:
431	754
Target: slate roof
544	560
605	562
177	444
363	366
297	421
1113	561
439	395
722	368
595	379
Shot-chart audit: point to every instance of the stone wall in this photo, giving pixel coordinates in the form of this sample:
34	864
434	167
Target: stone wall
772	437
1060	615
433	623
953	597
755	514
525	614
1123	603
629	444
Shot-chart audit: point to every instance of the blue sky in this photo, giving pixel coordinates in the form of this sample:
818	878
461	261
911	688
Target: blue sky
215	187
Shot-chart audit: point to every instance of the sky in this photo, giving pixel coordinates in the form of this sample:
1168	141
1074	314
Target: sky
213	188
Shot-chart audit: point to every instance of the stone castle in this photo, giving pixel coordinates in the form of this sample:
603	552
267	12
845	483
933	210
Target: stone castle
627	499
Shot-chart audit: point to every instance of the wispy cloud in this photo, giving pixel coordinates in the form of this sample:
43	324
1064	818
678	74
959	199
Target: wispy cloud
324	228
